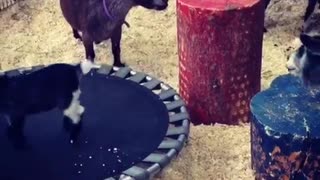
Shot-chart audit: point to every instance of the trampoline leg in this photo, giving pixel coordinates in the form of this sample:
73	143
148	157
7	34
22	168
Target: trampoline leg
116	50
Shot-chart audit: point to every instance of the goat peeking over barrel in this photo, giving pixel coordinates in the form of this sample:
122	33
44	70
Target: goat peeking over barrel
99	20
305	61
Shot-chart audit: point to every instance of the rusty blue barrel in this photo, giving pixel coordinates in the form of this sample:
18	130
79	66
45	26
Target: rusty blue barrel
285	131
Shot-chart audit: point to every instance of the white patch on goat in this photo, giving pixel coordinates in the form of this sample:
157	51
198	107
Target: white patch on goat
291	65
74	110
87	65
80	109
296	65
303	61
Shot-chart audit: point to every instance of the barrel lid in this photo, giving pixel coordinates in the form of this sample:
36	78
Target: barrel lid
219	4
288	107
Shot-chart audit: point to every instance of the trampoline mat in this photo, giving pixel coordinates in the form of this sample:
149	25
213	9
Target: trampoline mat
123	123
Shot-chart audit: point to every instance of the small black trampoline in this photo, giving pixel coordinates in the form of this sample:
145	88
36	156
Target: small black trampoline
133	126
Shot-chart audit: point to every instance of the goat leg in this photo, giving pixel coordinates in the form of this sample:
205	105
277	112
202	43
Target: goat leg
73	129
88	45
116	50
75	132
76	34
310	8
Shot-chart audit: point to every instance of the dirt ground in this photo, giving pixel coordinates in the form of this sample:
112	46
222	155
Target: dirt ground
34	32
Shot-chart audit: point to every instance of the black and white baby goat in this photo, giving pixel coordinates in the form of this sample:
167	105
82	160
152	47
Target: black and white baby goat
54	86
305	61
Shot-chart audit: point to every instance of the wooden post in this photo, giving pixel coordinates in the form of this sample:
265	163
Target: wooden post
220	50
285	132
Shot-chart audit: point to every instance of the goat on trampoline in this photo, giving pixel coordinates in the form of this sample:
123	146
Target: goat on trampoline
99	20
54	86
305	61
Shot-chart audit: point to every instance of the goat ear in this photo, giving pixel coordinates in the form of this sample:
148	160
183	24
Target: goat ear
311	42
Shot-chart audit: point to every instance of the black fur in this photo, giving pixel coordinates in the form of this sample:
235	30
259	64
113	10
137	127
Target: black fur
149	5
36	92
90	18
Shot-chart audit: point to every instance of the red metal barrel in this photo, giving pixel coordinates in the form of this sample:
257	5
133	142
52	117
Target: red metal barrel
220	51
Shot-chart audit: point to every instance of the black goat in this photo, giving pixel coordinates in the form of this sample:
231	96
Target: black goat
99	20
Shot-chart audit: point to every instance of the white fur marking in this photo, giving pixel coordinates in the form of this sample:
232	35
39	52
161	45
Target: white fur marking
81	109
296	69
291	62
75	110
303	60
87	65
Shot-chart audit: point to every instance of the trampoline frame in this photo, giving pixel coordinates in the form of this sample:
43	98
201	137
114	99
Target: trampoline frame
179	120
7	3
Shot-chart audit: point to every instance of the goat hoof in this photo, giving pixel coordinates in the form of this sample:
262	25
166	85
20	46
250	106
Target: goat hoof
119	65
89	58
